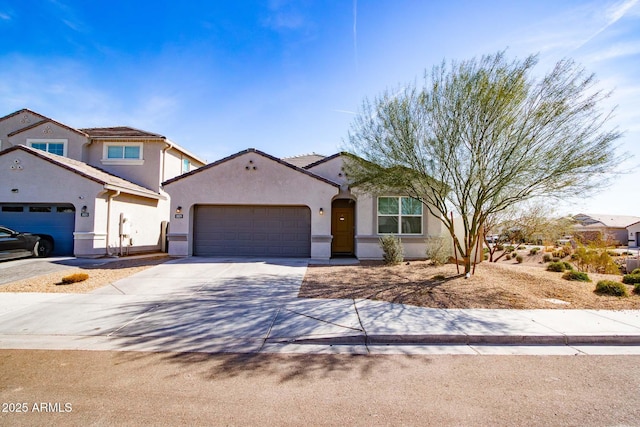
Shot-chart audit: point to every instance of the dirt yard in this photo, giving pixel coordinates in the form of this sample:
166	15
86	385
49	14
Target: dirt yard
99	276
504	284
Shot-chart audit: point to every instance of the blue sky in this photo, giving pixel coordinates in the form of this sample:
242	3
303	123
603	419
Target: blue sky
287	77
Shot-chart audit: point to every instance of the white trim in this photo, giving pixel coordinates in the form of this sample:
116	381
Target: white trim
399	216
107	161
31	141
89	235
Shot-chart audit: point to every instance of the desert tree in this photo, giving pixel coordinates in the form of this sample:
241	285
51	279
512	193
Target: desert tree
482	135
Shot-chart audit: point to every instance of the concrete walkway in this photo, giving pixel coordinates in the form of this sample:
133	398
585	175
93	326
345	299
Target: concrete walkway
251	305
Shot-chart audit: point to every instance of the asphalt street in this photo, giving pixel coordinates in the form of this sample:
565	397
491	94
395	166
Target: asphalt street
80	388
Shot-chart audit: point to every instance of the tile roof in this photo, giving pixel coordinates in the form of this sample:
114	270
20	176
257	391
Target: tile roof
616	221
304	159
110	182
120	132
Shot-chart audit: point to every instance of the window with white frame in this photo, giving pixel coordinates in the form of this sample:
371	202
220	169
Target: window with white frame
122	153
53	146
399	215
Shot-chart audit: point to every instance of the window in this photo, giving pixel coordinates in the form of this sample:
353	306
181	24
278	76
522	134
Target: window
12	209
53	146
40	209
186	166
399	215
122	153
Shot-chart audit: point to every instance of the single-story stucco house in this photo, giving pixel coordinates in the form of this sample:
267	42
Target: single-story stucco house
96	191
608	227
254	204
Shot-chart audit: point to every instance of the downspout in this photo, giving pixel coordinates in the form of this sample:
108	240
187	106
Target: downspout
164	155
111	197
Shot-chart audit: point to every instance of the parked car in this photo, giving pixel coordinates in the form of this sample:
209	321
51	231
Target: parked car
14	244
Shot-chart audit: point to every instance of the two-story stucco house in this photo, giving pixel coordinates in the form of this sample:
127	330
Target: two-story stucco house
97	191
254	204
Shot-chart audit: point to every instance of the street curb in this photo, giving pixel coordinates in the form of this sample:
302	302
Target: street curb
550	340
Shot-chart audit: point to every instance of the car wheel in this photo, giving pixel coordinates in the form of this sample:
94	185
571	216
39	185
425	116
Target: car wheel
42	248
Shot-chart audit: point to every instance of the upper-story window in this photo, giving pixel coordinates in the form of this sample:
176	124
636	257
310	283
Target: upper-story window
186	165
53	146
399	215
129	153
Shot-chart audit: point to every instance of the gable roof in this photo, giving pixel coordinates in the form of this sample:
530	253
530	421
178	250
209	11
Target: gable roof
109	181
303	160
260	153
615	221
120	132
323	160
23	111
47	120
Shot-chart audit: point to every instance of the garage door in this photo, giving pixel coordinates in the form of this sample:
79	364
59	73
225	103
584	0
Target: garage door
269	231
57	220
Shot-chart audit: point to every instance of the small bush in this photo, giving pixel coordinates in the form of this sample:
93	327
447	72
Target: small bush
636	271
533	251
438	250
557	267
555	259
74	278
393	250
519	259
558	254
499	247
546	258
631	279
610	287
567	266
509	248
507	257
577	276
636	289
438	277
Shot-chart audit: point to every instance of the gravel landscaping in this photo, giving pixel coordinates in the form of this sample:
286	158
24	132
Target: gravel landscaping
99	276
504	284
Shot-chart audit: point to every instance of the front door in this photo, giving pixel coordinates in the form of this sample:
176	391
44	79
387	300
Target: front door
342	227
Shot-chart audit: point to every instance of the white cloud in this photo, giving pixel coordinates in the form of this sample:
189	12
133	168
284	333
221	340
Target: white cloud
5	16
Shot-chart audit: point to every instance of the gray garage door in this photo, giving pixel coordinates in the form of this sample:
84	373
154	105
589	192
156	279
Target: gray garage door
270	231
57	220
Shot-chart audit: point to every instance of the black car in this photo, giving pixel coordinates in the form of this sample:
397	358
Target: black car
14	244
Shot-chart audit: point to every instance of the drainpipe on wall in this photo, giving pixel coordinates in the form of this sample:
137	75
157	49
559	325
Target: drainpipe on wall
111	197
164	155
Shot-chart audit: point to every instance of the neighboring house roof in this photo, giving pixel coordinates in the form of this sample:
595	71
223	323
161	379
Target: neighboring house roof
304	160
323	160
120	132
604	220
109	181
260	153
46	120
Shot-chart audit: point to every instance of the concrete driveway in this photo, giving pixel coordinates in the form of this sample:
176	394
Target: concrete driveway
251	305
24	268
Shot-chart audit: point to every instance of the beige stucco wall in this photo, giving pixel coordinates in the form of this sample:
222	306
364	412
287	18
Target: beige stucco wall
13	123
46	131
231	183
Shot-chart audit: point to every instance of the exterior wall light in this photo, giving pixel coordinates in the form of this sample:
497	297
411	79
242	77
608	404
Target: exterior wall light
179	209
84	209
321	211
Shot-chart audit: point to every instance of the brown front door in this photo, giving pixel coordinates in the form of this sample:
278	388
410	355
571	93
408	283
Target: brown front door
342	213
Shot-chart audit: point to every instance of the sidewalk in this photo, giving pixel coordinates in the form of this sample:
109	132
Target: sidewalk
226	306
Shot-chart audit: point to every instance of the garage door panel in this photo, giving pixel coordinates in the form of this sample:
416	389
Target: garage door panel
280	231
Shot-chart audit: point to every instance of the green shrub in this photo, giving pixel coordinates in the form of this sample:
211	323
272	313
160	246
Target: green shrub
557	267
567	266
499	247
610	287
578	276
557	254
555	259
533	251
631	279
636	289
636	271
393	250
546	258
519	259
507	257
509	248
438	277
438	250
74	278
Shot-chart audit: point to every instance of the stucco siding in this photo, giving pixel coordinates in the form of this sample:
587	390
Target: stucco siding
250	179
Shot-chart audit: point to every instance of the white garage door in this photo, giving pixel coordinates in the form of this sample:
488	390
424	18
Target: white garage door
264	231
